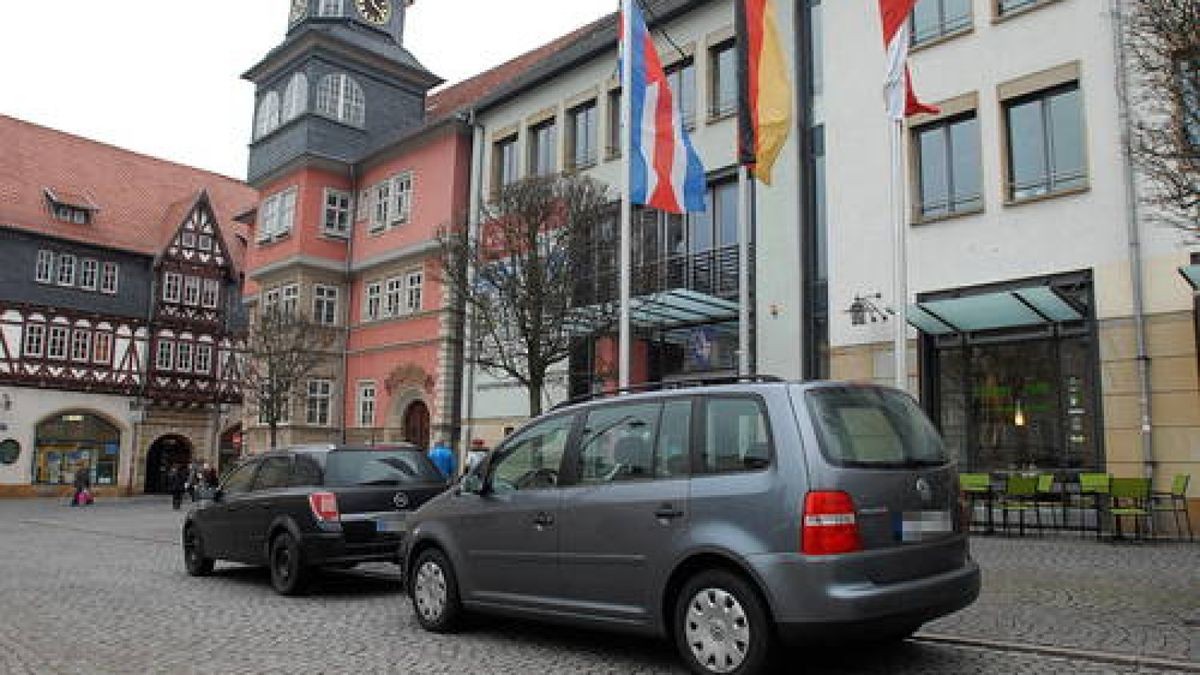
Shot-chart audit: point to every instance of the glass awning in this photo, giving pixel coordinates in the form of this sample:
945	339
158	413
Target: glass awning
663	310
1192	274
1033	306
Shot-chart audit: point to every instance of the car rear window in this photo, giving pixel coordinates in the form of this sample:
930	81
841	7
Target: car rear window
874	428
378	467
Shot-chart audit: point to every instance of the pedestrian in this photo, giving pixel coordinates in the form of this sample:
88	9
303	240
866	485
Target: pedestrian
193	480
83	485
443	458
476	455
176	484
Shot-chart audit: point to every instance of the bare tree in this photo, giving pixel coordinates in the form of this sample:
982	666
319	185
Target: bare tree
284	350
1163	38
527	282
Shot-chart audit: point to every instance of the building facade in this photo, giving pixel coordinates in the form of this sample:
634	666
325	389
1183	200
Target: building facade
1050	326
120	310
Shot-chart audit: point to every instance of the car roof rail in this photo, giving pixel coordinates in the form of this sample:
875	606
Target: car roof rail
671	386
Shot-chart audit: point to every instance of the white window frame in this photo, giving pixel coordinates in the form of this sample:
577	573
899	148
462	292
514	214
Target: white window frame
172	286
393	304
268	114
325	304
381	197
271	299
183	356
329	8
66	270
81	345
89	272
34	342
295	98
372	305
44	272
340	97
414	291
102	348
164	355
366	404
289	299
109	278
203	359
278	215
335	221
204	242
188	239
320	402
56	343
191	290
210	297
400	209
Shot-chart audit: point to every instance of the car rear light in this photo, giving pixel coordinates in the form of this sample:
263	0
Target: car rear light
324	506
829	524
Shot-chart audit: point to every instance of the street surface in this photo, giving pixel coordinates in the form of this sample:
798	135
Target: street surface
102	590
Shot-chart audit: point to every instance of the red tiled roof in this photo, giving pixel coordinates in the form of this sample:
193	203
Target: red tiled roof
141	200
453	98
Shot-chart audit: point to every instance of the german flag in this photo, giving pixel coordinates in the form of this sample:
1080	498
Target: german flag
765	90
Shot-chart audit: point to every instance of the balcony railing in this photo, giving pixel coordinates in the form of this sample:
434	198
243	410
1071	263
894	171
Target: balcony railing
713	272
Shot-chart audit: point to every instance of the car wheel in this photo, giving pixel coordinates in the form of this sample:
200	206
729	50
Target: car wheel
288	574
193	554
434	592
721	625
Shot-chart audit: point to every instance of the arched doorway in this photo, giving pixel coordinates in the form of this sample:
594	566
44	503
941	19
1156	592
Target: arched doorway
73	440
166	452
416	424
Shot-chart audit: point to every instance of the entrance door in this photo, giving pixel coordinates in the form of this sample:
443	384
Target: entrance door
166	452
416	424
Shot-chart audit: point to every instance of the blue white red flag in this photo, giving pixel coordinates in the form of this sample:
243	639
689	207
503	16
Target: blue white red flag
666	172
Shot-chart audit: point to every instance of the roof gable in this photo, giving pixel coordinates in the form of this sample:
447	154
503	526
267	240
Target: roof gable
197	238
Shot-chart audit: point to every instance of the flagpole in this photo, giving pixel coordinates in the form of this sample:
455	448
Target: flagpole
625	236
744	215
900	245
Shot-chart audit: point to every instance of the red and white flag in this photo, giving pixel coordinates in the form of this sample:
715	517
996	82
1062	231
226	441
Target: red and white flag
897	84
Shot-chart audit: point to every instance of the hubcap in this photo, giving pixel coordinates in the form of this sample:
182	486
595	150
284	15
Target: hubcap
717	630
430	591
283	561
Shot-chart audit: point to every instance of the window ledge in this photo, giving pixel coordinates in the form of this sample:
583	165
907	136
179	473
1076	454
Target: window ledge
999	17
335	236
942	39
266	243
918	221
1086	187
721	116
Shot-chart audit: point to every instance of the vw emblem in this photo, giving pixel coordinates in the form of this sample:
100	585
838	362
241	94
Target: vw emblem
400	500
924	490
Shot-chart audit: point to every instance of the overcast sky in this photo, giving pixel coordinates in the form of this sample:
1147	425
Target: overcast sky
163	77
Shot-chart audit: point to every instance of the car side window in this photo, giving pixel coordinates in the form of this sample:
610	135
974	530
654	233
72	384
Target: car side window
673	455
618	443
306	472
736	436
276	472
533	460
240	479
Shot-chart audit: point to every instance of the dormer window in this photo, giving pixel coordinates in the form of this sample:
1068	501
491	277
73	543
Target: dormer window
70	208
329	8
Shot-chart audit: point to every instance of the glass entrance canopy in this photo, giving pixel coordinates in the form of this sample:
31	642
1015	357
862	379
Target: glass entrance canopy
1033	306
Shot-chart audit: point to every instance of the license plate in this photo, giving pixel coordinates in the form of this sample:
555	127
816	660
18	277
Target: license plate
925	525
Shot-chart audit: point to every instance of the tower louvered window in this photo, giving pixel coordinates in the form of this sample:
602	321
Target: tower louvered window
341	98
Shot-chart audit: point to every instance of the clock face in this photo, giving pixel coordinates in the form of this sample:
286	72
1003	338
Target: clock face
376	11
299	10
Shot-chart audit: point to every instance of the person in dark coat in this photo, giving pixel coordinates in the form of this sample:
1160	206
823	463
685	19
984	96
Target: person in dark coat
83	483
176	484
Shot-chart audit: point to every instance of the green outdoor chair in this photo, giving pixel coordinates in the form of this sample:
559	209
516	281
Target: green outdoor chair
1174	502
1020	497
1131	499
1093	496
1046	497
975	487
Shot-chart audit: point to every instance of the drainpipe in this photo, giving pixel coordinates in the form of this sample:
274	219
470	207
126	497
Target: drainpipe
1135	241
468	338
353	215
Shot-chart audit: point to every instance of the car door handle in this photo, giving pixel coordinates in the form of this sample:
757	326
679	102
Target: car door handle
543	519
668	512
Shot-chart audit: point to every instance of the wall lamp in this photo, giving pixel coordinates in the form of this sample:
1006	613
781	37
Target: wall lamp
866	309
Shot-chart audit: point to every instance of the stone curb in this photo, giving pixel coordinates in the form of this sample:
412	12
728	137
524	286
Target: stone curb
1062	652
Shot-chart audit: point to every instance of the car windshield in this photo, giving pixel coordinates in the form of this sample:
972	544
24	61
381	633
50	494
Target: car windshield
379	467
874	428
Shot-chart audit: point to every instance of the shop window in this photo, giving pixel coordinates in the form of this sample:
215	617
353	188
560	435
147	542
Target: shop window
73	441
1045	143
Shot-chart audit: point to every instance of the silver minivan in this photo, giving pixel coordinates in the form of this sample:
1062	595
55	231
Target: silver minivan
729	518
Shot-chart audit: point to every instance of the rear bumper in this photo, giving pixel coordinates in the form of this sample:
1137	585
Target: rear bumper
818	601
331	548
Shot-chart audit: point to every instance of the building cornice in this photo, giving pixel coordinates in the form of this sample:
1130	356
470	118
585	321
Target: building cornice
415	251
299	261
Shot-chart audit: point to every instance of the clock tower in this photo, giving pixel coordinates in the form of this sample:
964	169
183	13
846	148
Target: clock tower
339	85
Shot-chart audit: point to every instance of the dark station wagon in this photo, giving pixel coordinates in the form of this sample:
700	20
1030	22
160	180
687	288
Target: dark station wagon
301	508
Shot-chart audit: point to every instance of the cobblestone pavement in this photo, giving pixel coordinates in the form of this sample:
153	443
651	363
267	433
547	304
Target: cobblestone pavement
102	590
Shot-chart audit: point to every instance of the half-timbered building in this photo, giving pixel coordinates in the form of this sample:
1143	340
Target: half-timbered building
120	311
